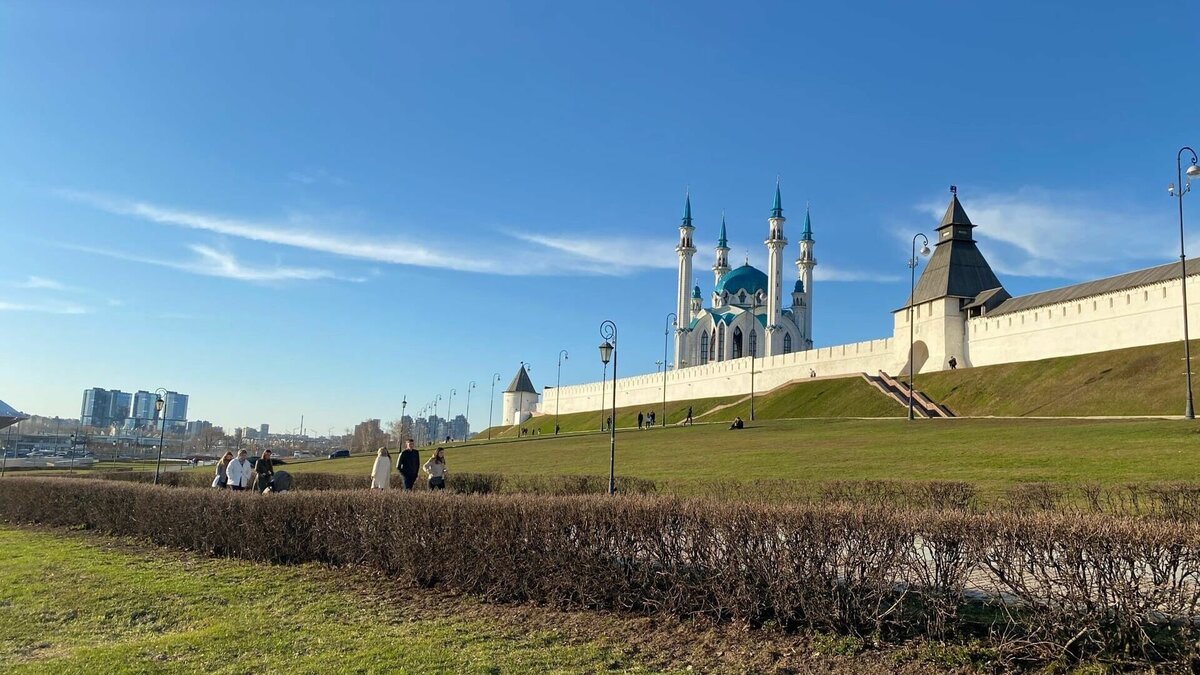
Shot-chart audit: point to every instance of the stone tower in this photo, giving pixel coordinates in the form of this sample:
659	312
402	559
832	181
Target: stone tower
775	243
685	250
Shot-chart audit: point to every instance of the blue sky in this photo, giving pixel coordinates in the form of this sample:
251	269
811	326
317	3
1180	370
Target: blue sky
321	208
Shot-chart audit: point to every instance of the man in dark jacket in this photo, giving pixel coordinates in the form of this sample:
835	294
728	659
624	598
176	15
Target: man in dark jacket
408	463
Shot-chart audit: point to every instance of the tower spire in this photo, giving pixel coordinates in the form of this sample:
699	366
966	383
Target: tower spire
807	234
777	207
687	208
722	242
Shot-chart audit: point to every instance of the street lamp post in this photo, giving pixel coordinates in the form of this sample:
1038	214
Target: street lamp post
403	430
1193	171
672	322
470	386
159	404
757	302
608	349
448	402
562	354
492	402
912	286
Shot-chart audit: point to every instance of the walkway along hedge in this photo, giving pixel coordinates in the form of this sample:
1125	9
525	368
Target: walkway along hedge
1034	587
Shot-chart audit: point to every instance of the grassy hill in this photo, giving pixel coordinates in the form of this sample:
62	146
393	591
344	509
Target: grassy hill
992	453
1135	381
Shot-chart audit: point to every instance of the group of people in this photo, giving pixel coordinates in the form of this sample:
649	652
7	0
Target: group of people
646	420
239	473
408	464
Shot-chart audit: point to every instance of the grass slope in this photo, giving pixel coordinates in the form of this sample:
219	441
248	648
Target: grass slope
626	417
993	453
1136	381
840	397
68	606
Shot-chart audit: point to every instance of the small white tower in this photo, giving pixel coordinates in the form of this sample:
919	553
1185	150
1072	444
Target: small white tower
775	243
722	265
686	249
804	274
520	398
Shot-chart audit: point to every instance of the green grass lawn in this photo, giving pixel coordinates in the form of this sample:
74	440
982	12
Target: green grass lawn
992	453
70	605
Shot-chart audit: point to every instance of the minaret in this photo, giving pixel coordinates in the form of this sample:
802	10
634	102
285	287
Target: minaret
685	250
804	273
722	265
776	243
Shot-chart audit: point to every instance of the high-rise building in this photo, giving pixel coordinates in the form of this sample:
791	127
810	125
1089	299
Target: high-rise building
121	401
264	430
95	409
459	428
143	412
102	407
175	409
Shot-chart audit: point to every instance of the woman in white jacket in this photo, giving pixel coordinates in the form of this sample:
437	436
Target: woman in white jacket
381	473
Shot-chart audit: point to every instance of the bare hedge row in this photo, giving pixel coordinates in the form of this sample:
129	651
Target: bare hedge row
468	483
1034	587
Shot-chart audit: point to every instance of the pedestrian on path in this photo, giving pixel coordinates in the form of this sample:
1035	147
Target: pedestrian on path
381	473
408	463
264	469
239	472
435	468
688	420
641	418
221	479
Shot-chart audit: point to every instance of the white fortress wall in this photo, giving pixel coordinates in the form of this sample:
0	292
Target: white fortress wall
727	378
1144	315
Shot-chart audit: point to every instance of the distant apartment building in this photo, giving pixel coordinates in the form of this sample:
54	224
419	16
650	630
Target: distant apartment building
104	407
175	410
459	428
195	428
143	412
264	431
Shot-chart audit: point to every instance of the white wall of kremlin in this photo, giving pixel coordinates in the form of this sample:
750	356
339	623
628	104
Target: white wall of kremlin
1144	315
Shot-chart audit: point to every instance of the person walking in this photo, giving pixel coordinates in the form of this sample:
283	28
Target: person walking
687	421
435	468
408	463
641	418
264	469
239	473
221	479
381	473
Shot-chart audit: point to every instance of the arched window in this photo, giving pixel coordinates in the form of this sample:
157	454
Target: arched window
737	343
787	343
721	342
704	348
753	342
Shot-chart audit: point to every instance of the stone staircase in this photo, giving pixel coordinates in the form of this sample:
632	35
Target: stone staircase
897	390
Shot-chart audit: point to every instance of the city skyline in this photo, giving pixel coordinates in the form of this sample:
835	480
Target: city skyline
324	213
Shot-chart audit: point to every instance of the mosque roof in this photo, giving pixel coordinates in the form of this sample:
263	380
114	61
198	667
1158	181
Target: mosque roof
521	383
744	278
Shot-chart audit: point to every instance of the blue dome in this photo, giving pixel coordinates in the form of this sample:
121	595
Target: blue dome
744	278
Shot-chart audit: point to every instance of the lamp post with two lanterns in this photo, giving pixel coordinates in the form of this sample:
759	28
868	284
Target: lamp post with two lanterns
912	286
1185	186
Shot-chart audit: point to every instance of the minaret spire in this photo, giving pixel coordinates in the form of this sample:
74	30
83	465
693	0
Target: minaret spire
776	243
685	250
802	295
721	265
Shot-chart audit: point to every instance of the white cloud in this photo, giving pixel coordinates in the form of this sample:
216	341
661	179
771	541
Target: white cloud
824	272
521	253
46	308
34	282
215	263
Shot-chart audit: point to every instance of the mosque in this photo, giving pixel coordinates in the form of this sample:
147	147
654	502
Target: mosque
747	316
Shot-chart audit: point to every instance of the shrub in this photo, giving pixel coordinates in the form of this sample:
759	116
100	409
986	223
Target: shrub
1030	586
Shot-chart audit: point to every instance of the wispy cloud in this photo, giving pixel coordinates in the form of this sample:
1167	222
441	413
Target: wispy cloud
1039	233
311	176
611	255
517	251
44	308
824	272
212	262
34	282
